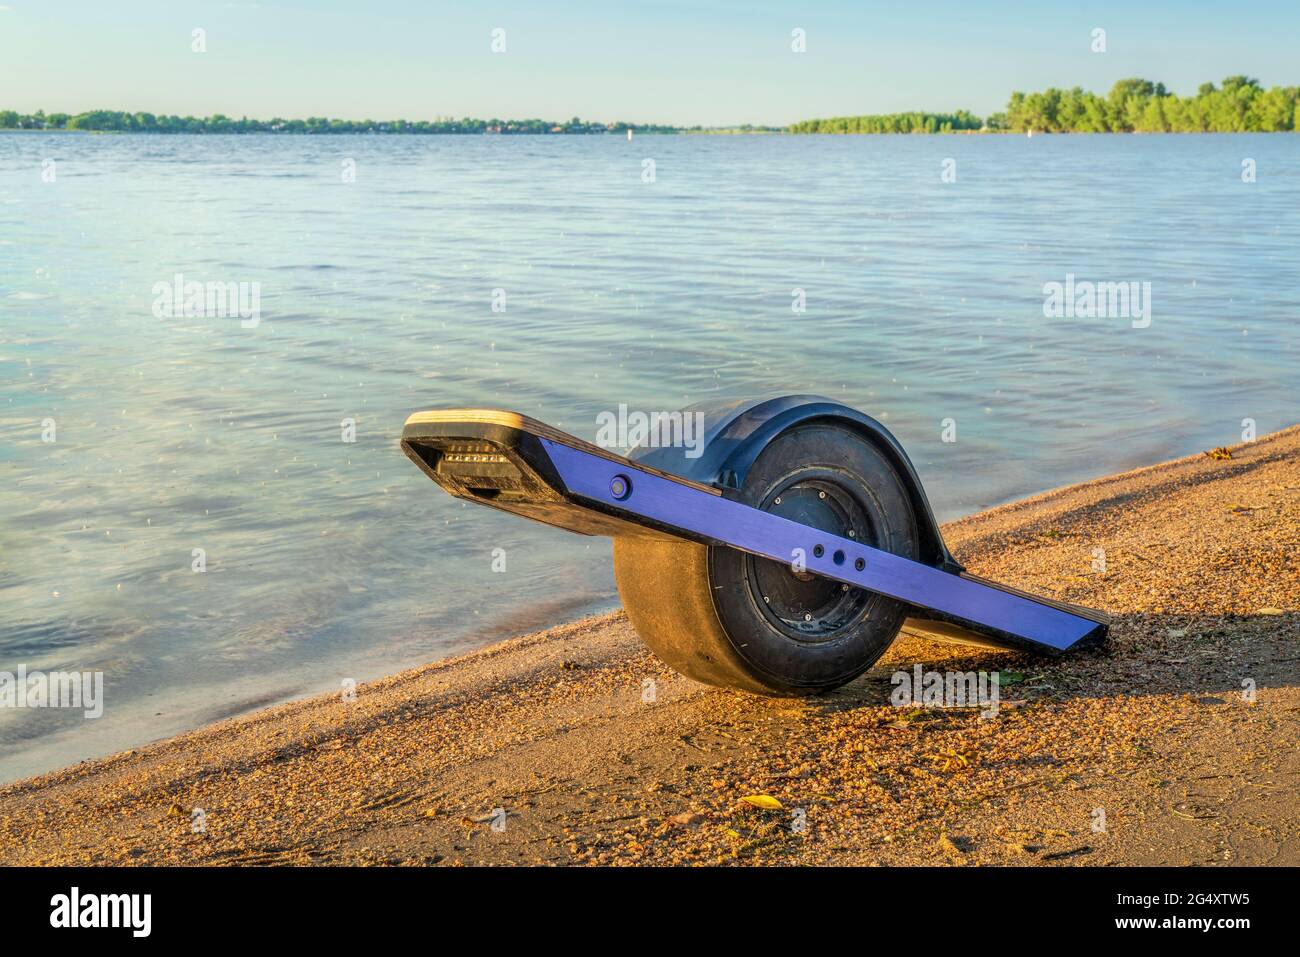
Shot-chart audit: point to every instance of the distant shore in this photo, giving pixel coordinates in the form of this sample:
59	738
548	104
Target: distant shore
721	132
1174	744
1135	105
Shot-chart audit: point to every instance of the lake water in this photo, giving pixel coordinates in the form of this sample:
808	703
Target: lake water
329	560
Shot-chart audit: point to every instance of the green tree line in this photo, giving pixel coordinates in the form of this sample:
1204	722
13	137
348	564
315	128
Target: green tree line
116	121
1238	105
892	123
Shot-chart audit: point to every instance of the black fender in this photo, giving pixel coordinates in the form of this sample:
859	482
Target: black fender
736	432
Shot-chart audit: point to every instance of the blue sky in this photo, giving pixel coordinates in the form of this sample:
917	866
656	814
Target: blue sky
669	62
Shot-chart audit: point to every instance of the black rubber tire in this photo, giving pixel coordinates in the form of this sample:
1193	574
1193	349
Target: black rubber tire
701	608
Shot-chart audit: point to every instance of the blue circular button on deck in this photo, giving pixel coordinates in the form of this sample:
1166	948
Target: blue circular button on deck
620	486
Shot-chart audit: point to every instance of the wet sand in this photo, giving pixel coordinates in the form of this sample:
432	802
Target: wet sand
1144	751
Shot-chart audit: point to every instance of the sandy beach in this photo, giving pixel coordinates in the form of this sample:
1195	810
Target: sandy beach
1148	750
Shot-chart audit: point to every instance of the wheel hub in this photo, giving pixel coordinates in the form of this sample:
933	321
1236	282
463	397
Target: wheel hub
804	606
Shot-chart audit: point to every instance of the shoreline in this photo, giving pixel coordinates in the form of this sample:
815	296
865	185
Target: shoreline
1200	577
681	132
